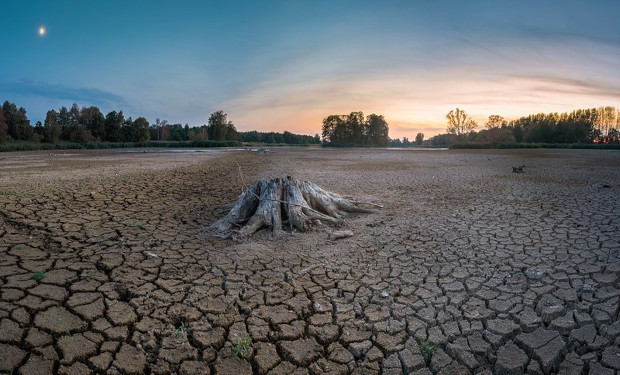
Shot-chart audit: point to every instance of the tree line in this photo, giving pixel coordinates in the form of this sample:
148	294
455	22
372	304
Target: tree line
592	125
88	124
355	130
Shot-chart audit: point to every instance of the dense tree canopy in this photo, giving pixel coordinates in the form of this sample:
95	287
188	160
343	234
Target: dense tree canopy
594	125
16	123
220	128
353	129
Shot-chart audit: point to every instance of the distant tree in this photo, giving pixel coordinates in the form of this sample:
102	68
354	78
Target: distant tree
93	121
220	128
4	130
606	119
160	131
495	121
17	123
459	122
64	121
317	139
419	138
78	132
51	128
38	130
376	131
140	130
178	132
443	140
396	142
494	135
113	126
335	129
356	128
198	134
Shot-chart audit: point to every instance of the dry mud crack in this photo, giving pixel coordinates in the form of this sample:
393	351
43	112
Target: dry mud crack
469	268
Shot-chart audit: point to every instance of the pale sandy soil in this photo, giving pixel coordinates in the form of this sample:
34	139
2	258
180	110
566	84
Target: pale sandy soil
105	266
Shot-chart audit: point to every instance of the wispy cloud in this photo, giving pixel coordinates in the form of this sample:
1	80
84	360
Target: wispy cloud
563	85
56	91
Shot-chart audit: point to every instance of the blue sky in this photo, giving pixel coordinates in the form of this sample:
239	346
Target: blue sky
284	65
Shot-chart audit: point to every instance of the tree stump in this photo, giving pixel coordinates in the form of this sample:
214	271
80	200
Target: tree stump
279	204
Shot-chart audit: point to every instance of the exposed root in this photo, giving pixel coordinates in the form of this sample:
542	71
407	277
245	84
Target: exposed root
302	205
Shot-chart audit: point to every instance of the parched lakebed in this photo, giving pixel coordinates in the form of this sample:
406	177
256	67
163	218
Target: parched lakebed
106	266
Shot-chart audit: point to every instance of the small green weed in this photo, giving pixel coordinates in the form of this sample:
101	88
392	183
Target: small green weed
242	349
182	331
143	236
427	348
137	225
39	275
18	247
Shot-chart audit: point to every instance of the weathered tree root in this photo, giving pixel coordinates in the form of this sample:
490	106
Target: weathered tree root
284	203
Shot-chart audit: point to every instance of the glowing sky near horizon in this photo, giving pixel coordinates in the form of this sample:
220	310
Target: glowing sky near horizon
285	65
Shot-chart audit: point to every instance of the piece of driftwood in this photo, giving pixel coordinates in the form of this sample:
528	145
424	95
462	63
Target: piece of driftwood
336	235
518	169
281	204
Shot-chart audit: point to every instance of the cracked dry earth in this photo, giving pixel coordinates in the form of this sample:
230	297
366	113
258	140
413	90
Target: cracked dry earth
469	268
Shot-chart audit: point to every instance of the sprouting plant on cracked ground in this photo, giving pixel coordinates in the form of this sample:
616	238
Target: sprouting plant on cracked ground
137	225
38	276
182	331
242	349
427	348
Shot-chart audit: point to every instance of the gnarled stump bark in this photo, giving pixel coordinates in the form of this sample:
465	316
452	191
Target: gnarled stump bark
278	204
